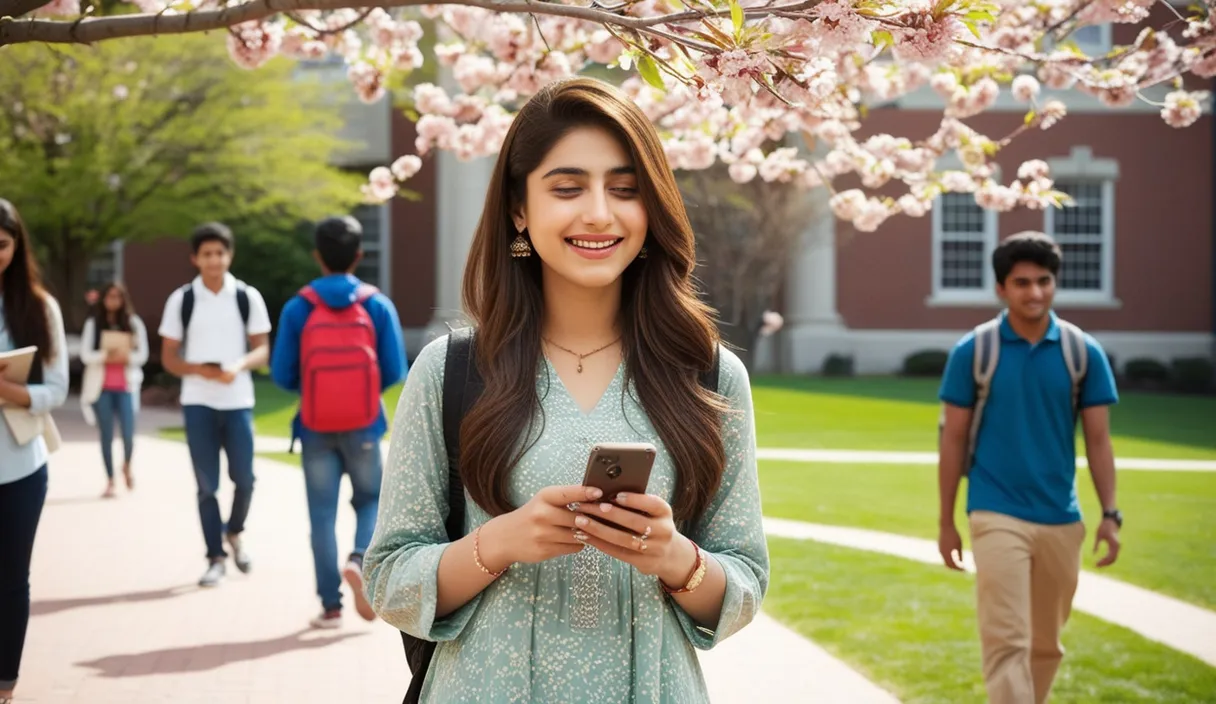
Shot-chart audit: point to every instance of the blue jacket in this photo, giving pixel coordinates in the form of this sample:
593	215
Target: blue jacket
338	291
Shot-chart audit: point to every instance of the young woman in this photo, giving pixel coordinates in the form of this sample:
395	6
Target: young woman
113	378
31	317
588	330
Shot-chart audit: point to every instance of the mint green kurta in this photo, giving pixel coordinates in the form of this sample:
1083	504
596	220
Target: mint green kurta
577	628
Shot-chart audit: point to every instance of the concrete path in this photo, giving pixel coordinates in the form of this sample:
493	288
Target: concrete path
116	615
264	443
1182	626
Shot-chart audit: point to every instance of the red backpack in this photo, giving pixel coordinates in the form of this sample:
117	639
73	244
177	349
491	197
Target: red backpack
339	370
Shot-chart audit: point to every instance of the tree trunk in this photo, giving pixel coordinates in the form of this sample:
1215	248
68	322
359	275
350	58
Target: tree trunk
741	340
66	274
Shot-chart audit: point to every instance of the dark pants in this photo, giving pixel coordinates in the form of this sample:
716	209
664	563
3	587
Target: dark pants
20	508
207	432
326	456
106	407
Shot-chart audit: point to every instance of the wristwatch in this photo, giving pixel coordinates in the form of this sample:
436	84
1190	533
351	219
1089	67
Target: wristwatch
1115	515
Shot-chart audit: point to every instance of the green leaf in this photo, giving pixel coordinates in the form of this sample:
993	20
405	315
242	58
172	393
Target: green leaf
971	25
736	16
650	71
882	39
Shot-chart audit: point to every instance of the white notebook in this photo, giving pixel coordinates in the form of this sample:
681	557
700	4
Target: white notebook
24	425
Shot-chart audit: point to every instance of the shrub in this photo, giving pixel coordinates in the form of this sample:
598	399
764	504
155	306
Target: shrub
1192	374
1145	372
838	365
926	363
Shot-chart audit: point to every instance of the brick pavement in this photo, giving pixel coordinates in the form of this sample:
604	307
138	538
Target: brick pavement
117	616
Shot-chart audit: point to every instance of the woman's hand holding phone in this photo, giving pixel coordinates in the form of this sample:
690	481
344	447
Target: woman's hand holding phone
539	530
650	542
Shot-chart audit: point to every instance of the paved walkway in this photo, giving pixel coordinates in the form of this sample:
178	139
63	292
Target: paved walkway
265	443
1182	626
117	616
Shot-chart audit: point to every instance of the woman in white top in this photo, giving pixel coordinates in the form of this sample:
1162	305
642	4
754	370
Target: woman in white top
30	318
113	375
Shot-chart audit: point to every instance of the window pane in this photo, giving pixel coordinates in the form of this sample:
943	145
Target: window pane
369	216
963	242
1079	231
102	269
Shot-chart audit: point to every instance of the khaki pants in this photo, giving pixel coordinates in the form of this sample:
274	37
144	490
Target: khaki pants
1026	576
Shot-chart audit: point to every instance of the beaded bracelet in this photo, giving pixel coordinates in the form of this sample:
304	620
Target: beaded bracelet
477	556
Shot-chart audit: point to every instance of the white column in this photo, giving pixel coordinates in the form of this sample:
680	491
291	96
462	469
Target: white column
459	198
813	327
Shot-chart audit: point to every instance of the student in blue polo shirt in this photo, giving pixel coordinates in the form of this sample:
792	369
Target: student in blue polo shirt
1024	518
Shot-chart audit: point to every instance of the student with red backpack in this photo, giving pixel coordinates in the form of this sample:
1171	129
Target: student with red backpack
339	346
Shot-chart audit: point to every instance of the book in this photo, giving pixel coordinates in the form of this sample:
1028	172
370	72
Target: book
116	340
25	426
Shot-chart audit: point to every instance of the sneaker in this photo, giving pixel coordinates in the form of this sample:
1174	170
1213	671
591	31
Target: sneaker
353	573
215	572
330	618
239	556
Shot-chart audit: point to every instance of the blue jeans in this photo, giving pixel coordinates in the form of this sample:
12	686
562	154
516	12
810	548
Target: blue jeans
207	431
325	457
106	406
20	508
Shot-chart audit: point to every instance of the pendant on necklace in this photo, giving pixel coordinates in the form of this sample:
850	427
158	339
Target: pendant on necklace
580	365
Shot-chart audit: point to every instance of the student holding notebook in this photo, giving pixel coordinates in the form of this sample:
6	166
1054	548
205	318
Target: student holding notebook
113	349
29	317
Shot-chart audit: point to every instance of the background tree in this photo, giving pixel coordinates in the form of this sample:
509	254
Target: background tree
747	235
145	138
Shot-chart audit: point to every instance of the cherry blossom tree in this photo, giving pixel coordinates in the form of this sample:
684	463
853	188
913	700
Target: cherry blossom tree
720	78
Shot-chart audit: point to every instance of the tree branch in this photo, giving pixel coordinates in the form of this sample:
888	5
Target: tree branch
17	8
94	29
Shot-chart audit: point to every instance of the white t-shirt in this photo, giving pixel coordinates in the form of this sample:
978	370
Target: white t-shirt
218	335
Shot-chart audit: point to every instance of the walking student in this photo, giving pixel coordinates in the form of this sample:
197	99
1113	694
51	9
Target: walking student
587	330
1013	392
113	375
215	329
29	317
339	346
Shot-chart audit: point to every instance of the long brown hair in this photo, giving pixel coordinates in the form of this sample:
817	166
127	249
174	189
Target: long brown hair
122	317
668	334
25	312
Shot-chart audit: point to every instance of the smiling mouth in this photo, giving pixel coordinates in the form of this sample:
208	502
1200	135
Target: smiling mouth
594	244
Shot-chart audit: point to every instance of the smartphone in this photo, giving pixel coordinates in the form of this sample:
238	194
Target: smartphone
620	467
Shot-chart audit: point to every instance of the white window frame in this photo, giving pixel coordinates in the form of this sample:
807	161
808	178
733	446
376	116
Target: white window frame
985	294
384	249
1081	165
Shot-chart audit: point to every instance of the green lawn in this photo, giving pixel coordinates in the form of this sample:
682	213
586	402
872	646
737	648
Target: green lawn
1169	538
889	413
912	630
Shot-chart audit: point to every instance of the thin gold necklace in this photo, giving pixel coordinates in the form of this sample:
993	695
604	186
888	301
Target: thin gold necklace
581	356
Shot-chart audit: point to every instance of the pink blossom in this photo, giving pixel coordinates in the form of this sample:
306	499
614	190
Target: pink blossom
252	44
59	8
1182	109
912	206
771	322
603	48
873	214
994	196
449	54
380	185
926	39
1025	88
368	80
742	171
405	167
944	83
957	182
848	205
431	99
1033	169
472	71
120	92
838	26
435	130
1052	112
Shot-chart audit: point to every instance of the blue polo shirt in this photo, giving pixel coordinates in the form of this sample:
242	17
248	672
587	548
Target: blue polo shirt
1025	455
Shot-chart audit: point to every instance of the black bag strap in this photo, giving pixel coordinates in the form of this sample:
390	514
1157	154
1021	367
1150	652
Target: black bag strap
462	384
242	305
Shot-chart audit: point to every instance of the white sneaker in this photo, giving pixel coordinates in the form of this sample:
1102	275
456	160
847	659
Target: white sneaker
239	556
353	573
213	575
327	619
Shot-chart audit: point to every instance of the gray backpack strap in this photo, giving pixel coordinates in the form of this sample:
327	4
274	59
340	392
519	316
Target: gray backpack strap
1076	358
983	368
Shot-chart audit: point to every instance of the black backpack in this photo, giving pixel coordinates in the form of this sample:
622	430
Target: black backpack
462	384
242	305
